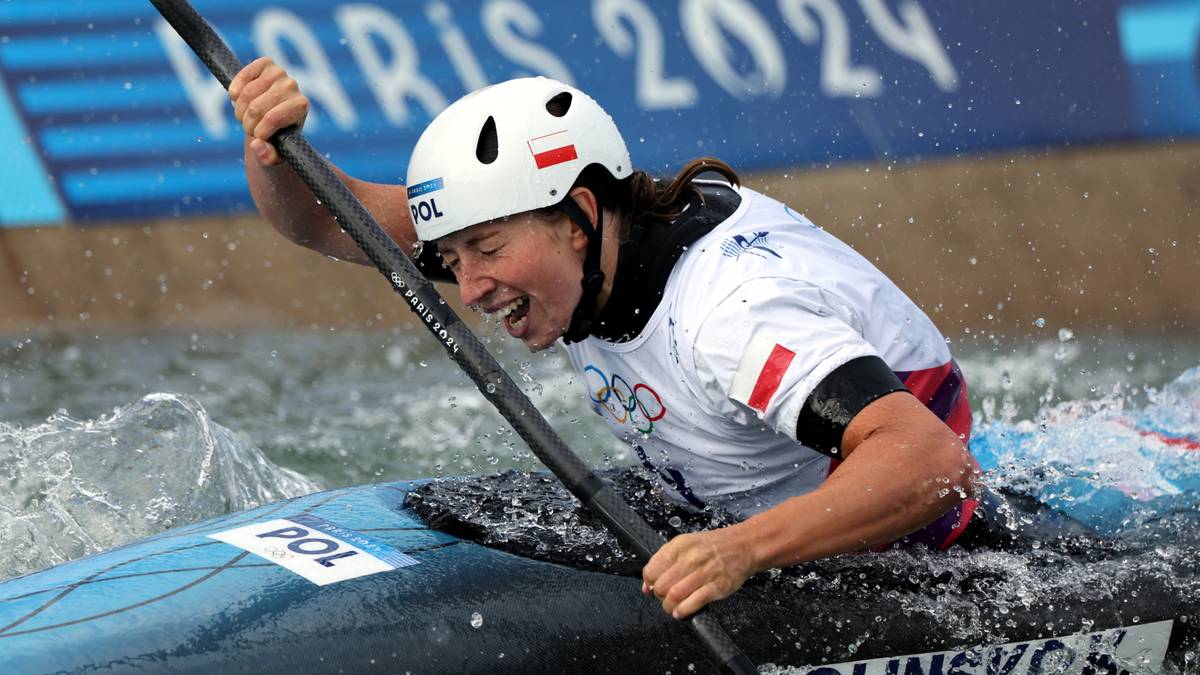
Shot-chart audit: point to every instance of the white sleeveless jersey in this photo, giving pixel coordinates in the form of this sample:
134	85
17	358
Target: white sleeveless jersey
754	315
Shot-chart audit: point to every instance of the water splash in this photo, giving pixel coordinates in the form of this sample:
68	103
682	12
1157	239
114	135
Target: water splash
79	487
1110	464
533	515
1075	456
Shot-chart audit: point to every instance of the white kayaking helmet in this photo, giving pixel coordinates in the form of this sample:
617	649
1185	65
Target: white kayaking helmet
512	147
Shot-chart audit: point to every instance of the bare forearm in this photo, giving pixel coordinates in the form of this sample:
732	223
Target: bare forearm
265	101
903	468
285	201
888	488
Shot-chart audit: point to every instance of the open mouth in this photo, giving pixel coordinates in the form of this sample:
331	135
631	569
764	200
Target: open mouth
514	314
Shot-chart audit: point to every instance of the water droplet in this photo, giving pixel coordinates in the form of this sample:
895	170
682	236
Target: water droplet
1039	322
476	620
675	522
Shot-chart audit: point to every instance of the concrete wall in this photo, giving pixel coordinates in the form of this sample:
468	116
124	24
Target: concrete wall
1092	240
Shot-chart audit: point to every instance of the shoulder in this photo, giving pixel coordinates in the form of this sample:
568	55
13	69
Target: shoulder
760	235
755	254
775	304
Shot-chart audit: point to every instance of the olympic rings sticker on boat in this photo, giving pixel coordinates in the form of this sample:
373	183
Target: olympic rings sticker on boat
316	549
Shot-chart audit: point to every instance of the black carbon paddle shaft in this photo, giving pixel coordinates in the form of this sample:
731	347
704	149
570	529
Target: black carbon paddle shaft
460	343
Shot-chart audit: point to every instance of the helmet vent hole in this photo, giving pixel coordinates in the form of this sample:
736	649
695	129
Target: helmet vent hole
488	146
559	105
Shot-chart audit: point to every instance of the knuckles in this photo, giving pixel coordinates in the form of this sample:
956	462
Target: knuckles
263	92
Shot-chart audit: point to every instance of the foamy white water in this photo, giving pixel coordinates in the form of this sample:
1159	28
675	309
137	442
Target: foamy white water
95	457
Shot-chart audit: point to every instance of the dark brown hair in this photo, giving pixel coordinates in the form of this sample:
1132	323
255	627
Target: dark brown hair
642	199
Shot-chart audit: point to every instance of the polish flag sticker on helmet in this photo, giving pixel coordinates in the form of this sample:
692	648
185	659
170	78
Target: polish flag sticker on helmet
552	149
760	372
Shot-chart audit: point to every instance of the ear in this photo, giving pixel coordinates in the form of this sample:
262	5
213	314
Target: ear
586	200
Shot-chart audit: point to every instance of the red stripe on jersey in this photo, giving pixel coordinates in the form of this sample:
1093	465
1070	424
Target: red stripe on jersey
968	509
556	156
928	387
924	383
833	465
959	419
933	387
770	377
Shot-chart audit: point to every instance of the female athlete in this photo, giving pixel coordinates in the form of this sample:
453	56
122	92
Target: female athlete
754	362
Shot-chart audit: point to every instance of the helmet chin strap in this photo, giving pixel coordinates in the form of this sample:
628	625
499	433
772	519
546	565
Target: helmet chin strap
593	276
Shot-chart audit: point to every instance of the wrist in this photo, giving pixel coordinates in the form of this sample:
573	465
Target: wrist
746	538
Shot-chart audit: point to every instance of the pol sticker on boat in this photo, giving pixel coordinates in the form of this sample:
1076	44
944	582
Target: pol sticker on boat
316	549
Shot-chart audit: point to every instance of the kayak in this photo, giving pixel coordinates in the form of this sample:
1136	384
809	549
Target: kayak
504	574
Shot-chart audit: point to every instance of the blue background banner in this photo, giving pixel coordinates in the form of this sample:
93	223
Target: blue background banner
114	119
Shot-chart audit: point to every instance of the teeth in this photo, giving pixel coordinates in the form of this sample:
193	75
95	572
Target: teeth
508	309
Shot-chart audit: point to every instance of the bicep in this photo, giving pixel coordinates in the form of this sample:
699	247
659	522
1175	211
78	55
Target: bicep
902	419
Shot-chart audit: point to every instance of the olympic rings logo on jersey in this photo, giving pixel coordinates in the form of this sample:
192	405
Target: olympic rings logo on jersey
638	406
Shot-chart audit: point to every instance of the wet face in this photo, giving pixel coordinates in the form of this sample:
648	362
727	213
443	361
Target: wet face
523	270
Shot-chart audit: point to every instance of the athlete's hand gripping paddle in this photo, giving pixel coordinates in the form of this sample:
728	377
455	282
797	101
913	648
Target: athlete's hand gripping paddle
460	343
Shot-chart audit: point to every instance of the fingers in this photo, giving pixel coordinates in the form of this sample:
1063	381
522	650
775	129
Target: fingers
660	562
288	111
672	573
265	100
248	73
693	570
684	597
251	91
677	593
695	601
272	94
669	582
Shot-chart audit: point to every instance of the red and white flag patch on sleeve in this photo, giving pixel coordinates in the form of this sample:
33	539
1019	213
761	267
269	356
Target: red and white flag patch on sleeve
760	372
552	149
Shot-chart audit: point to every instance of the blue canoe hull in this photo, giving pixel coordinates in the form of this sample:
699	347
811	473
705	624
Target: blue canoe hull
182	601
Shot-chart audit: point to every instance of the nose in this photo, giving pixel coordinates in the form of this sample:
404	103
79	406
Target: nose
473	287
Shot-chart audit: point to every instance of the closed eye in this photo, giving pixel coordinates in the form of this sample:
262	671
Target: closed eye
488	244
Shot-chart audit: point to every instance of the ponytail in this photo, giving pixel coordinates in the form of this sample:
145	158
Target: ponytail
651	202
640	199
